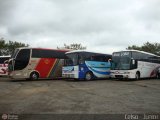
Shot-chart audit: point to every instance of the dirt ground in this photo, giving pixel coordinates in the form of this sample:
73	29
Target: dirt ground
79	97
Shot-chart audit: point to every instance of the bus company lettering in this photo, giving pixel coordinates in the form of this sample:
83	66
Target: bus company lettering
121	54
124	53
46	61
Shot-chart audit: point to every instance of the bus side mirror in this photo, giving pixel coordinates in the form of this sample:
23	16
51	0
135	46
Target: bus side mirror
109	60
133	62
6	61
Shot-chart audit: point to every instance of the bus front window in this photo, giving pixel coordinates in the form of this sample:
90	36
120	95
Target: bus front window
11	61
115	63
124	63
68	62
22	59
121	61
14	53
73	57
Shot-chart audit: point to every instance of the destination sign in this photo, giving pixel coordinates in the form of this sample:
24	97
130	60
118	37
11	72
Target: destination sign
118	54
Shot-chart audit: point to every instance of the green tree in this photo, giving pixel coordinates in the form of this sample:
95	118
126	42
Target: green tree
6	48
147	47
74	46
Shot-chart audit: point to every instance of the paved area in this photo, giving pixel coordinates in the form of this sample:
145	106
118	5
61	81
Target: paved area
79	97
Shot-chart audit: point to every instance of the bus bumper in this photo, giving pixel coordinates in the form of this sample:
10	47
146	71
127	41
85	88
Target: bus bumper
17	75
122	75
68	75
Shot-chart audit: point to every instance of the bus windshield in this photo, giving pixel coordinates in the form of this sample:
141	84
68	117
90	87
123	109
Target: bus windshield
68	62
14	53
121	61
73	59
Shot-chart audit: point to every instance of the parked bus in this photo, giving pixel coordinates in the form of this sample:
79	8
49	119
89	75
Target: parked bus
86	65
134	64
4	65
34	63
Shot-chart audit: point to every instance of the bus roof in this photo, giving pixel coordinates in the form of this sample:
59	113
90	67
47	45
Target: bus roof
65	50
85	51
138	51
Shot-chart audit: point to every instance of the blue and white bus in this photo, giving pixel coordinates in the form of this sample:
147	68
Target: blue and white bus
86	65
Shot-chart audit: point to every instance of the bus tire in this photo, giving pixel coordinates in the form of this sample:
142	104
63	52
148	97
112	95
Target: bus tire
137	77
34	76
89	76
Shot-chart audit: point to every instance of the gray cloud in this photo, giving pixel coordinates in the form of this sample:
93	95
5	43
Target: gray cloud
96	24
6	8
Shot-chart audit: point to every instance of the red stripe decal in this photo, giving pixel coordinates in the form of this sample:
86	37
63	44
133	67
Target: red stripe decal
44	66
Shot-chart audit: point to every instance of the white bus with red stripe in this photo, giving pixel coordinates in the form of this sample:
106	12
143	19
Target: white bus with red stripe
34	63
4	65
134	64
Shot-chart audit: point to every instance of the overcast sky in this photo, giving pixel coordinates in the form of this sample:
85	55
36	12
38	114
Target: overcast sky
100	25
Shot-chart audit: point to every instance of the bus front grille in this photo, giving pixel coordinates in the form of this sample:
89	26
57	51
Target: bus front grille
119	76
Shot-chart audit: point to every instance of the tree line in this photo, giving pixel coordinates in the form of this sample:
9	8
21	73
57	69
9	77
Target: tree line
6	48
147	47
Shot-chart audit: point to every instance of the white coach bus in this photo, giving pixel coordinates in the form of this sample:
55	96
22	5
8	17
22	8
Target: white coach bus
134	64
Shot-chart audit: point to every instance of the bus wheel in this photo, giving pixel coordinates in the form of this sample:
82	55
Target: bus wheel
88	76
34	76
137	76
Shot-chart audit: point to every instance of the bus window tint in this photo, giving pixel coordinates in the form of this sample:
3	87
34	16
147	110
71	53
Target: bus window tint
100	58
37	53
22	59
81	59
68	62
74	58
121	60
125	63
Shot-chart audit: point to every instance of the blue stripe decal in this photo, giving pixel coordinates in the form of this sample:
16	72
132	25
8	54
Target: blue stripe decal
99	72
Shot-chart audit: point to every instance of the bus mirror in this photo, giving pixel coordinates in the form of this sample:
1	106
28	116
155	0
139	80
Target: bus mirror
109	60
133	62
6	61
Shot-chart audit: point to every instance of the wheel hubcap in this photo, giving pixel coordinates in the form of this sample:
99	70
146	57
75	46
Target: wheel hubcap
88	76
34	76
